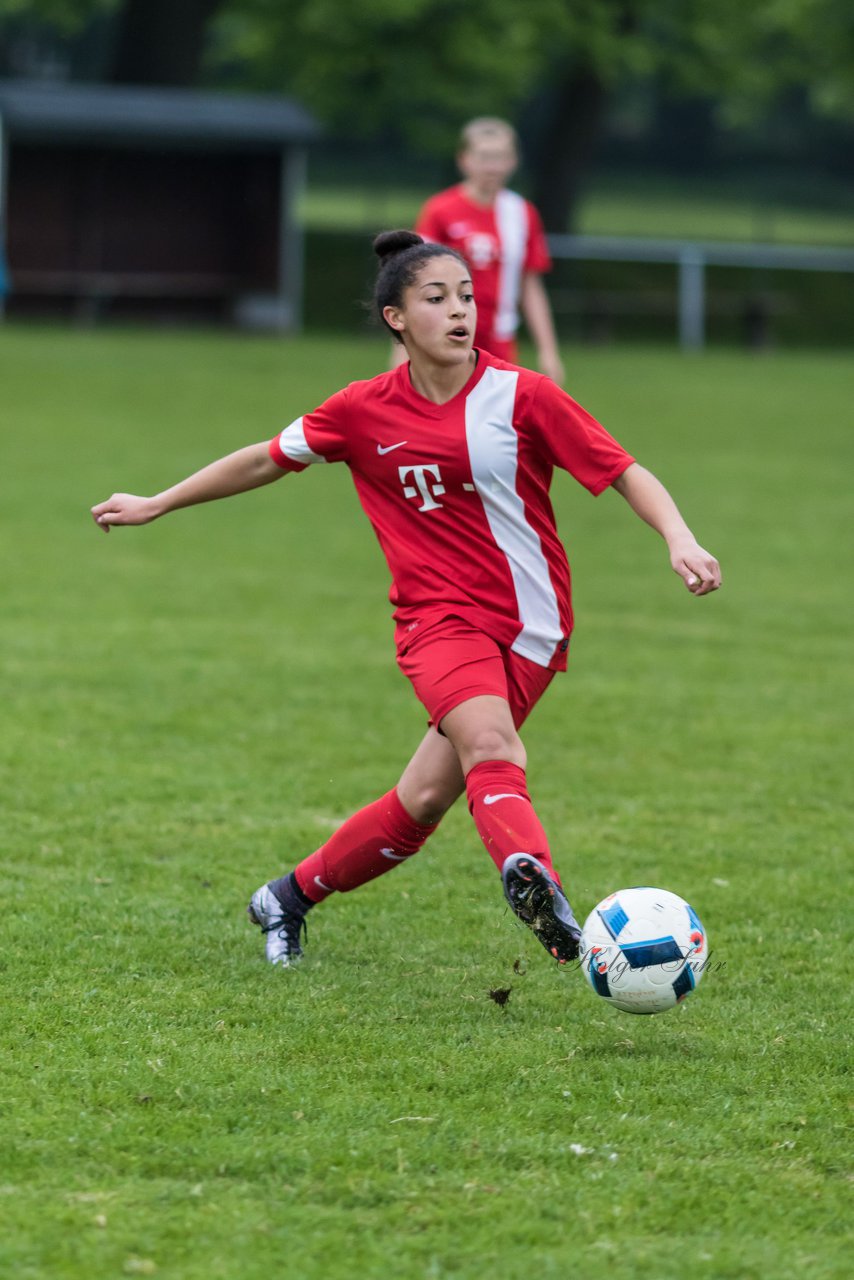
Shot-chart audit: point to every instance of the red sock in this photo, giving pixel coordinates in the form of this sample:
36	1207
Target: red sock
371	842
498	799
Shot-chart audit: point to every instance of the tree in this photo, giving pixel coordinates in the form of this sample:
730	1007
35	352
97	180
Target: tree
149	41
161	42
421	67
415	69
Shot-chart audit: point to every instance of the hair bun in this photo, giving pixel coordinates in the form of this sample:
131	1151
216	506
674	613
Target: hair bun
388	243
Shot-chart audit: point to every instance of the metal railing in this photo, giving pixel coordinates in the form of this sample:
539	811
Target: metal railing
691	259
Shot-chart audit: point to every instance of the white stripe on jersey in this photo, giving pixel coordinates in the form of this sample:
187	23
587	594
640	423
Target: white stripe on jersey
493	447
294	445
511	220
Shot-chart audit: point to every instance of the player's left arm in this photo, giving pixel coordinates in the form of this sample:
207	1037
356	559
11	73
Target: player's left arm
537	311
649	499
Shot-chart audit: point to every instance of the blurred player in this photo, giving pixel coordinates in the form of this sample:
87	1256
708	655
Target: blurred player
452	457
500	235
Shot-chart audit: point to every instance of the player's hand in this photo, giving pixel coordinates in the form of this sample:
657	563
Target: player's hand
124	508
552	366
699	570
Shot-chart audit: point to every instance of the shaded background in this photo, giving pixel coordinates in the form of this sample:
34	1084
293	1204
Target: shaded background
672	118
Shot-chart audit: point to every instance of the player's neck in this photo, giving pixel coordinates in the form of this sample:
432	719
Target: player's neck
439	383
484	196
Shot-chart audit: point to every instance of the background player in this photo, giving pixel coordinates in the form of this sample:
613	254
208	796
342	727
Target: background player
501	236
452	456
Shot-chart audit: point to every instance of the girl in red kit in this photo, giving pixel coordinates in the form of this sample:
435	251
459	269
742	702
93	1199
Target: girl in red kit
501	236
452	456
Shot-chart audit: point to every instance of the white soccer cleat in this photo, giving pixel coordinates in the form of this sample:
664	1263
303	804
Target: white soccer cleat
282	928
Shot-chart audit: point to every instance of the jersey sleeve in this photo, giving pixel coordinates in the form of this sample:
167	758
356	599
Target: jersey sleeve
537	257
320	436
430	224
572	439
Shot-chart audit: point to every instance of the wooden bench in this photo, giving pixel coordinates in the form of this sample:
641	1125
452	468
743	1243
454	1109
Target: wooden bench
91	292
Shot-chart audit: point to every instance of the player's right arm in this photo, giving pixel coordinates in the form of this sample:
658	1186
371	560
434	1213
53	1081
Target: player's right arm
246	469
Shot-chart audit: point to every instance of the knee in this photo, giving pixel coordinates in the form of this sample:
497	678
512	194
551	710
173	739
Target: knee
494	744
428	803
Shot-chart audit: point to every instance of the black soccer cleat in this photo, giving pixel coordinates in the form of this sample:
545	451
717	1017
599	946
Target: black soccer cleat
541	904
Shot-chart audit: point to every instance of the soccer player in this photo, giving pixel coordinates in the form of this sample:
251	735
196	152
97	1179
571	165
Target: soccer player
452	455
500	235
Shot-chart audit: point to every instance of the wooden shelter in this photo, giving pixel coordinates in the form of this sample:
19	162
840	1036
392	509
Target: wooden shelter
159	203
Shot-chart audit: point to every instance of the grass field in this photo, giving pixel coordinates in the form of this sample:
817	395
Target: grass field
621	207
189	707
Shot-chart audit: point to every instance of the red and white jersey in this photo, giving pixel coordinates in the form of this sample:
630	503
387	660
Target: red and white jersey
501	243
458	494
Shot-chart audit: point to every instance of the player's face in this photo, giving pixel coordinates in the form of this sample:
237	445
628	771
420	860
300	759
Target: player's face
438	316
488	165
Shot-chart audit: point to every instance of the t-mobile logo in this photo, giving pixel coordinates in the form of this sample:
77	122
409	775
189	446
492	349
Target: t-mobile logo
428	490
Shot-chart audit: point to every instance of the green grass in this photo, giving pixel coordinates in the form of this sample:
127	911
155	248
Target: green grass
689	210
189	707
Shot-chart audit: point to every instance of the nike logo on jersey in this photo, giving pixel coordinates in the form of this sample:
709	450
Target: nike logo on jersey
388	448
505	795
321	885
395	857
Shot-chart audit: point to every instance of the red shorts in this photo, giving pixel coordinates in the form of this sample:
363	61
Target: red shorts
450	661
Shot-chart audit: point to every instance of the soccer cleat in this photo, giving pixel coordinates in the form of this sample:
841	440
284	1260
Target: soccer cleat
282	927
541	904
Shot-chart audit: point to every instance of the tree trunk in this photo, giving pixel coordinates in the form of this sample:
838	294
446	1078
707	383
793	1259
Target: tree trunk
161	41
568	143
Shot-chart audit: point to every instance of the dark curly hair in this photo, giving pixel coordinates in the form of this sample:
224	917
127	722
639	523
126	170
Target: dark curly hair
402	254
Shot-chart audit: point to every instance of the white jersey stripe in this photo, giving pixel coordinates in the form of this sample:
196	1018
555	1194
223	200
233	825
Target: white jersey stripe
511	220
294	445
493	448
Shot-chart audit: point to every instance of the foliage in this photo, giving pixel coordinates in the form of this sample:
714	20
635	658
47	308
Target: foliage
748	56
410	71
411	68
64	15
418	66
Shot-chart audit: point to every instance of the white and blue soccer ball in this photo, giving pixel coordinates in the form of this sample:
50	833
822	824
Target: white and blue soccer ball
643	950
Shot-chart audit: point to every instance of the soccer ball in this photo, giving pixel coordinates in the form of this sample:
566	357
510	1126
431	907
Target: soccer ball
643	950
